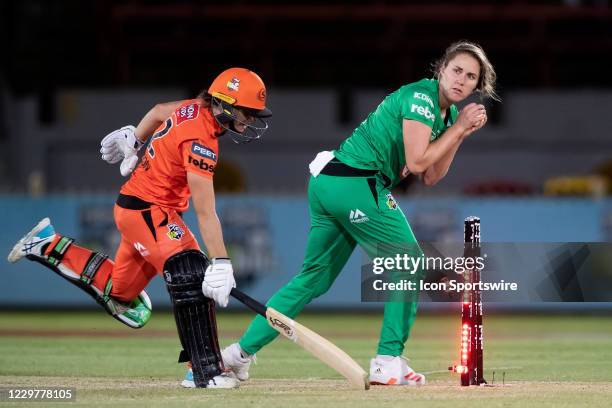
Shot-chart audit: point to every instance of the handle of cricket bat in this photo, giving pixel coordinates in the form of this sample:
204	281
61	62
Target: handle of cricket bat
249	302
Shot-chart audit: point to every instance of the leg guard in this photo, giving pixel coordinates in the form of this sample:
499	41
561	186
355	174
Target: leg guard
194	314
134	314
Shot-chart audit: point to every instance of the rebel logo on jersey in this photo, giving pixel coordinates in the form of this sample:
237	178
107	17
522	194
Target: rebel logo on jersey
201	164
423	111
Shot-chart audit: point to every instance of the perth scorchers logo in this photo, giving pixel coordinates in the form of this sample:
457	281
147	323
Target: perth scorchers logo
234	84
175	232
187	112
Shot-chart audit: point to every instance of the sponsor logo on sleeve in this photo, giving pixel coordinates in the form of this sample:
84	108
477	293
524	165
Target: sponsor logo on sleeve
201	163
424	97
187	112
203	151
423	111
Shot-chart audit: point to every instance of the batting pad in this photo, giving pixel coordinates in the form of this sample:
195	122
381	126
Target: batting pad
194	315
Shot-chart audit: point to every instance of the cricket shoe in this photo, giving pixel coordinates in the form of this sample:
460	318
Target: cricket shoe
33	242
389	370
220	381
188	381
237	361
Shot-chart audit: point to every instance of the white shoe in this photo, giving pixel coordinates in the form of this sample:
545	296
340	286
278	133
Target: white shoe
33	242
234	359
188	380
389	370
220	381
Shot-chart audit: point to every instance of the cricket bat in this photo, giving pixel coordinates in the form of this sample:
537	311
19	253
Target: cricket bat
310	341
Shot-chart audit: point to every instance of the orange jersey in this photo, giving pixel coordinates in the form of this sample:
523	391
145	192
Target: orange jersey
185	142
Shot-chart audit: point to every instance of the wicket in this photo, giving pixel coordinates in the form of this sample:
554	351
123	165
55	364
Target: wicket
471	358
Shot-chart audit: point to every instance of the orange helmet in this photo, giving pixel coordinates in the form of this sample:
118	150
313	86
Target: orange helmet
243	88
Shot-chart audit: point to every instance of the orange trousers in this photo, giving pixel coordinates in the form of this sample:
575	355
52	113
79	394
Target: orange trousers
148	238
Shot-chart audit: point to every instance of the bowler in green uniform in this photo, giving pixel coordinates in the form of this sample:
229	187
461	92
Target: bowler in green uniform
416	129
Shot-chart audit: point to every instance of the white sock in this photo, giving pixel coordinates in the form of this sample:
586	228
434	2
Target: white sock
243	355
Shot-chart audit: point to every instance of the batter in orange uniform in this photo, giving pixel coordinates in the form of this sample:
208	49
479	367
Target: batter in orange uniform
179	162
152	233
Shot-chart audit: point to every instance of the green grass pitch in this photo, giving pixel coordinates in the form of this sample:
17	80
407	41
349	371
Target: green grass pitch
548	361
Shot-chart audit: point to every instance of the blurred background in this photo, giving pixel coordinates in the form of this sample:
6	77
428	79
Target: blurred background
72	71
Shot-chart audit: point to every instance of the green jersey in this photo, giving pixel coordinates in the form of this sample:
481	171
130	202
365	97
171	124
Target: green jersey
378	143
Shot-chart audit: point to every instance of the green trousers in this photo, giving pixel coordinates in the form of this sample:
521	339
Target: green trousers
344	212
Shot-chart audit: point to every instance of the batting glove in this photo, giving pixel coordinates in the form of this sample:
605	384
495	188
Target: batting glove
121	144
219	281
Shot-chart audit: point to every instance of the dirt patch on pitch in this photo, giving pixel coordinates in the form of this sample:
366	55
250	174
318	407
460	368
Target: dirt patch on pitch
86	383
309	384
